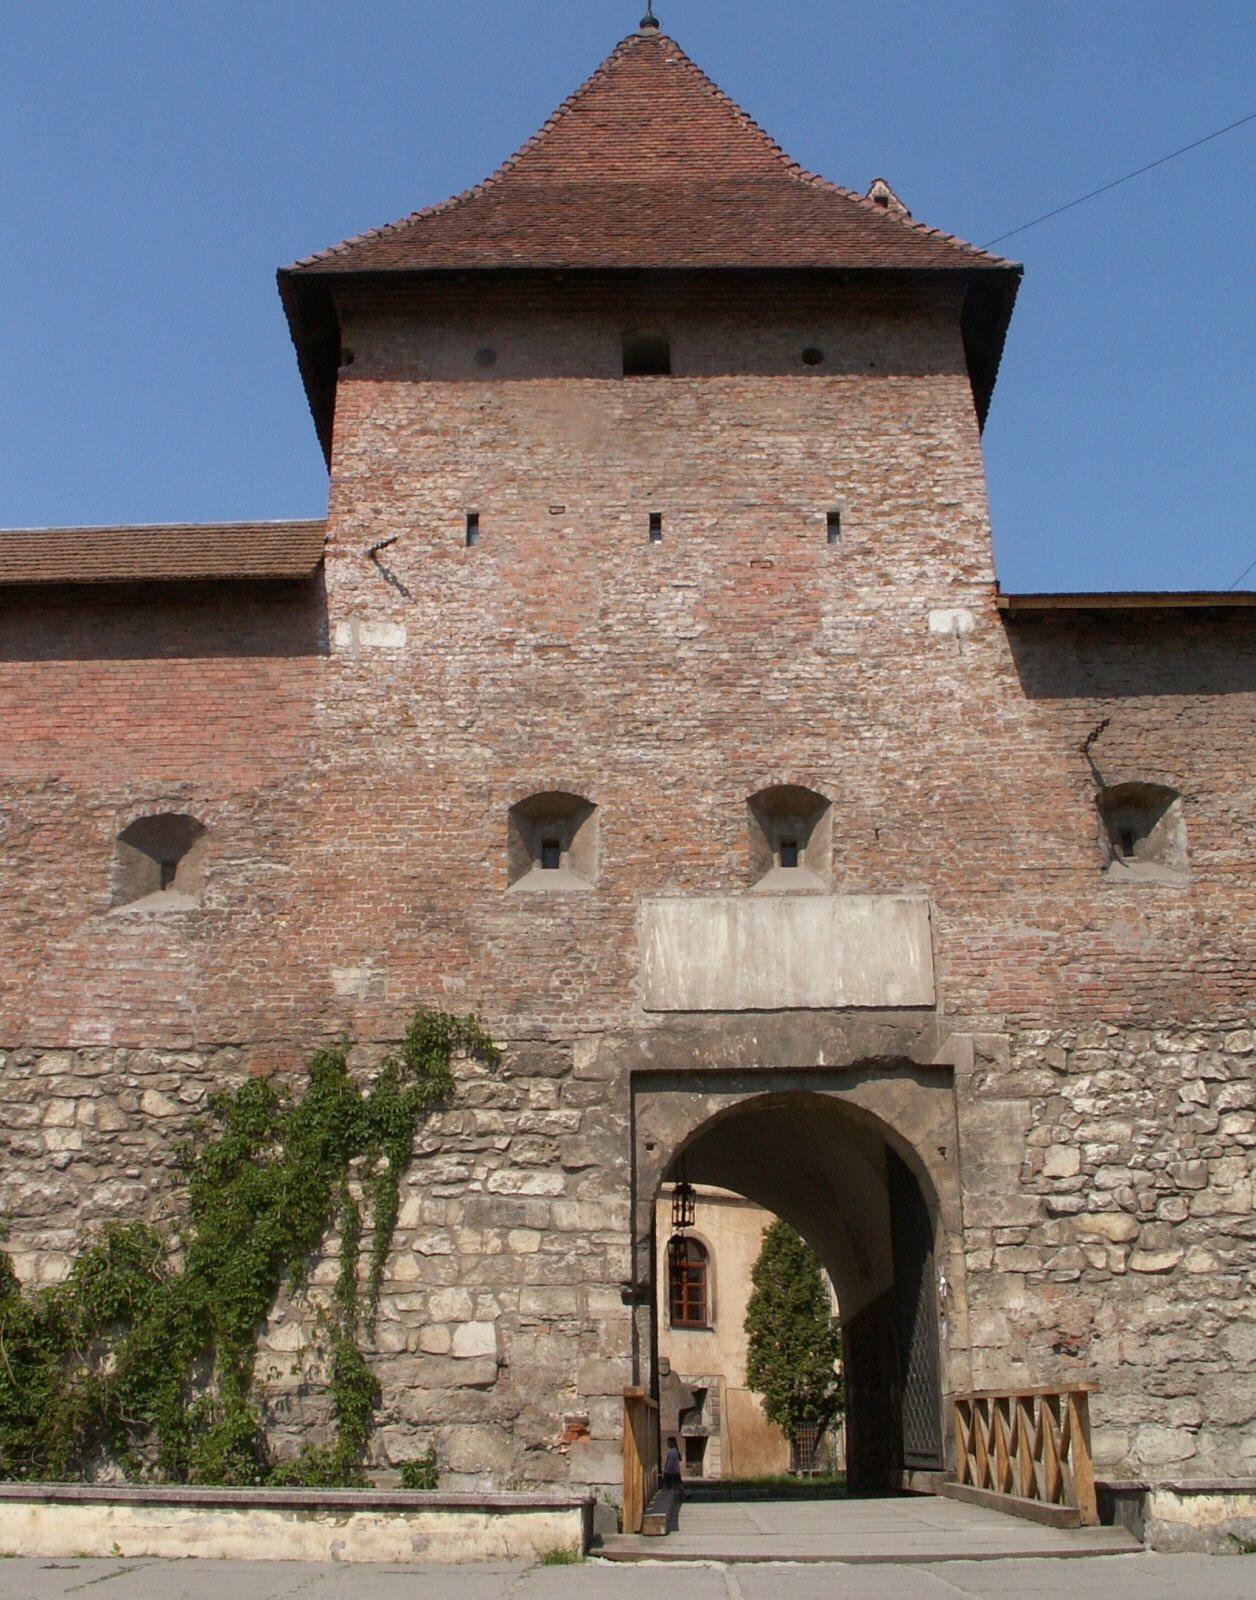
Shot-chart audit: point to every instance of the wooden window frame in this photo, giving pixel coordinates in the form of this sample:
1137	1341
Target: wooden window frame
688	1288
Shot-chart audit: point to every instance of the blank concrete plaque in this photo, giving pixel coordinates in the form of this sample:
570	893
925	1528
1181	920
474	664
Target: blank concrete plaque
775	954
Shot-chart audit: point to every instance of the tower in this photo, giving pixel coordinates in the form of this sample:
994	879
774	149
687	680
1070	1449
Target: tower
657	517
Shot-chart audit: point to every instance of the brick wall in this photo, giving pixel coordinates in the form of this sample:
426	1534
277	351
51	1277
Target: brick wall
354	756
119	703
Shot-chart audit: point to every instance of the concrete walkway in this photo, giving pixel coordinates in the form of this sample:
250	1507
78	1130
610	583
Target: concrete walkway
1143	1577
911	1528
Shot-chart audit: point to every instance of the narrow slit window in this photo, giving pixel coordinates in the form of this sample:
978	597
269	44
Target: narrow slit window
656	527
834	527
551	843
473	529
159	861
790	837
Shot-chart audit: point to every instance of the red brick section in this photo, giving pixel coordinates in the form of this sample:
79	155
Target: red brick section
650	165
119	702
357	802
161	553
670	682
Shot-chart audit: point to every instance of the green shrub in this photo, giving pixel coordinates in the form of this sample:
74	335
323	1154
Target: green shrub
422	1474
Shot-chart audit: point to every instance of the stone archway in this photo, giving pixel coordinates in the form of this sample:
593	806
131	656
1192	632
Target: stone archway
863	1163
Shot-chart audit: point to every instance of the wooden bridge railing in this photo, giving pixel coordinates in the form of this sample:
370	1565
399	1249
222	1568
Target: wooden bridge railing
1033	1443
641	1456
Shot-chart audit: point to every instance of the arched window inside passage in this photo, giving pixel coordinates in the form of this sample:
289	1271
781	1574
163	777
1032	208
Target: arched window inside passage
687	1263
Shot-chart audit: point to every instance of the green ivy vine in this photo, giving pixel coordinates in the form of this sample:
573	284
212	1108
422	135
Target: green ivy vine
145	1354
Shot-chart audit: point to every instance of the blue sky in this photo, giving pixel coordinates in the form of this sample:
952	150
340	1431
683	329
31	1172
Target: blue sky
161	160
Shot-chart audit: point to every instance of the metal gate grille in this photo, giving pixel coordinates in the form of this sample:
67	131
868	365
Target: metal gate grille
916	1316
804	1451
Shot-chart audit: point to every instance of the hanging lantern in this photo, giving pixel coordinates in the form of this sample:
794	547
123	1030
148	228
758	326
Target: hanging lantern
684	1206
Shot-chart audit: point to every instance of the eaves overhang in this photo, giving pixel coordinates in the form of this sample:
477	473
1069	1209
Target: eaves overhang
309	302
1030	605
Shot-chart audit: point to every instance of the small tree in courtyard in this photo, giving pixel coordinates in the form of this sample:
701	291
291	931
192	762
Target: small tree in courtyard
794	1342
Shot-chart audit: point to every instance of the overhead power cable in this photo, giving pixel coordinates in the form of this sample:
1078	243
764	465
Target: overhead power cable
1242	575
1117	182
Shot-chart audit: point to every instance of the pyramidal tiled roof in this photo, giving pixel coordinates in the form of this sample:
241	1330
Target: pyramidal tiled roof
649	164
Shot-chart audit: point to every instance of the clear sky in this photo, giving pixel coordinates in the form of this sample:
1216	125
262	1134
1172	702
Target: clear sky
162	157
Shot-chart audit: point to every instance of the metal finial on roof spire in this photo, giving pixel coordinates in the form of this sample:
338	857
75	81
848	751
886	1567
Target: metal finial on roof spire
649	23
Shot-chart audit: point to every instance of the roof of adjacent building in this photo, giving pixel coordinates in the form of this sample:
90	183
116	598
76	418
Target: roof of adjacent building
1128	600
169	553
649	166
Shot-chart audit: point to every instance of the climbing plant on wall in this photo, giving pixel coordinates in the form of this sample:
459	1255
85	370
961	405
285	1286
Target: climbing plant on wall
145	1354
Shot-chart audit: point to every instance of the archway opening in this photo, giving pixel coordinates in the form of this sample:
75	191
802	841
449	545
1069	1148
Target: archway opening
860	1198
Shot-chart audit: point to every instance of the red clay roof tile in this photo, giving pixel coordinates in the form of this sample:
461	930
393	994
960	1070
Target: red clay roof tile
649	164
171	553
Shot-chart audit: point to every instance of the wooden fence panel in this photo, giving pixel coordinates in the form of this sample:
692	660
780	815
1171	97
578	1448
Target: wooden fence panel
1033	1443
641	1456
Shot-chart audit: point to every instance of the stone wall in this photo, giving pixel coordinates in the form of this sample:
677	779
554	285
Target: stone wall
1107	1195
501	1333
91	1137
1124	1250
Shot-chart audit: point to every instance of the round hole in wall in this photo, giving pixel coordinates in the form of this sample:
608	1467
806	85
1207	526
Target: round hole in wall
812	357
486	358
346	356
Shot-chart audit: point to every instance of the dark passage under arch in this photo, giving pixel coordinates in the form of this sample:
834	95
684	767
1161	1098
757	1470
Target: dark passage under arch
834	1176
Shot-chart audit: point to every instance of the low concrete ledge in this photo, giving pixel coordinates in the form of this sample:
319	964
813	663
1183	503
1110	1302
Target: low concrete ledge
289	1524
1183	1515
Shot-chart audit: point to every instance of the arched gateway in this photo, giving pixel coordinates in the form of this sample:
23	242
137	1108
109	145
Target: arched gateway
862	1160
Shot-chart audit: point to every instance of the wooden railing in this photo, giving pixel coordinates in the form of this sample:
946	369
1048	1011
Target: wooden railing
1032	1443
641	1456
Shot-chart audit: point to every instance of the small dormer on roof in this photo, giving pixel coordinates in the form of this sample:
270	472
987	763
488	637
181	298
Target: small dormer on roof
880	194
650	167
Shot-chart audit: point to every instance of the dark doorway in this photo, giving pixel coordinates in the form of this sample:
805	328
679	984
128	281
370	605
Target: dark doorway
915	1319
831	1172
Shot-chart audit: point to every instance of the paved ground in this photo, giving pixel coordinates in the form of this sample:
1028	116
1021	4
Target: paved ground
1143	1577
909	1528
904	1549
